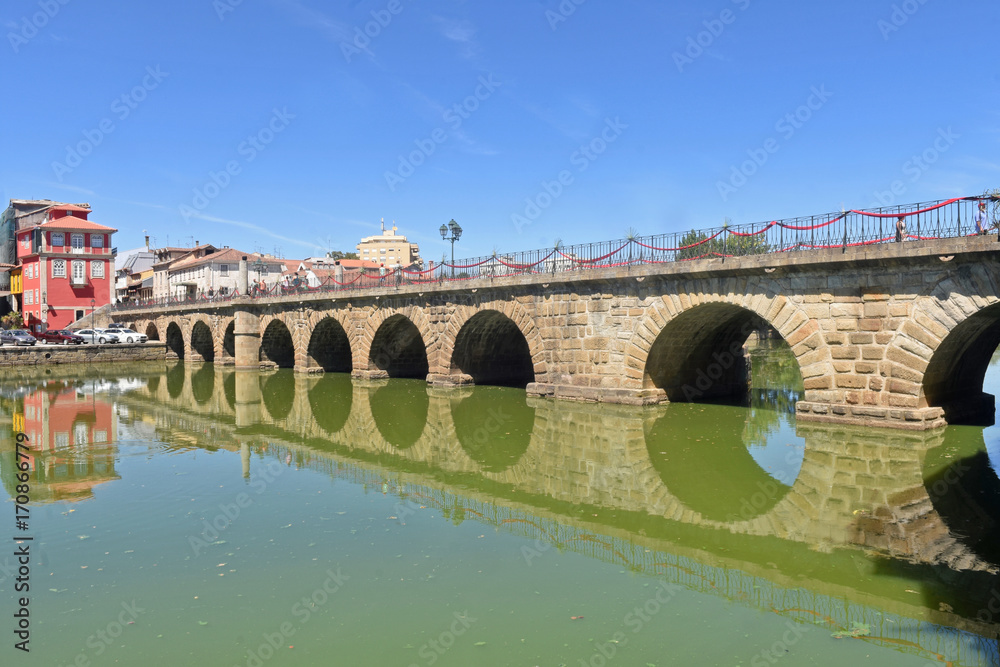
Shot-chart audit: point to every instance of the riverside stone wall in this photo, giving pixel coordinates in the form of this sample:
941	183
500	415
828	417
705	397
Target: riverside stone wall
80	354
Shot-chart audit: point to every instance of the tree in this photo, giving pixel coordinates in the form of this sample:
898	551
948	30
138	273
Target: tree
723	244
340	254
994	203
12	320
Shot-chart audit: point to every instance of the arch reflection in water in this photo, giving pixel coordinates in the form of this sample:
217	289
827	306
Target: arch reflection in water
175	380
203	383
842	546
330	400
726	462
399	408
699	453
493	425
962	485
278	393
229	387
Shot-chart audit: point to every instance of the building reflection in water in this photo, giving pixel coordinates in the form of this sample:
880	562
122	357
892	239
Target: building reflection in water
887	528
72	435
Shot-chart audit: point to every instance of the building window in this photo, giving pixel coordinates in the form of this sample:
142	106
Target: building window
97	240
224	269
36	297
76	241
59	268
97	269
57	238
27	297
79	272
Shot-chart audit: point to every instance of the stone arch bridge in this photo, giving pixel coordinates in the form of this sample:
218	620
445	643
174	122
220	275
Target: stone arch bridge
896	334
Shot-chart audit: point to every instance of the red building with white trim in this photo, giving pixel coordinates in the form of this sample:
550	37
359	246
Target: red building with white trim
67	268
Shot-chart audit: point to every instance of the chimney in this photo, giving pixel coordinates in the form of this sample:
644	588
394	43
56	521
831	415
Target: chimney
147	242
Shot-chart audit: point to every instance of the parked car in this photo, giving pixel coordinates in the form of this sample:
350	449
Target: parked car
96	336
60	337
17	337
126	335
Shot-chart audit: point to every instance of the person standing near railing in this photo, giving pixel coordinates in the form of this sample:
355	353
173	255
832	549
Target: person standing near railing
982	219
900	229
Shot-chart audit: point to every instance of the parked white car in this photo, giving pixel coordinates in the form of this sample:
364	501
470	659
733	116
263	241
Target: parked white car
126	335
97	336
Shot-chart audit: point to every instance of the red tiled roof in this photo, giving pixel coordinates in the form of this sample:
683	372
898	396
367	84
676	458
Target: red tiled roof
228	255
73	222
358	264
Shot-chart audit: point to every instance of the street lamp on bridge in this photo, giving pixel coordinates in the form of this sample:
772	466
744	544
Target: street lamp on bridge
456	233
259	266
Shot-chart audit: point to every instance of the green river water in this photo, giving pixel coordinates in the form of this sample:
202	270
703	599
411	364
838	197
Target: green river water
193	515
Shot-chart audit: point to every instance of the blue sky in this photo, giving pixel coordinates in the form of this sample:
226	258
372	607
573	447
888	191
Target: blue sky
279	124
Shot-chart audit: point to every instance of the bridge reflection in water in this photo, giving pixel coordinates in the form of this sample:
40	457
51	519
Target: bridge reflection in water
830	525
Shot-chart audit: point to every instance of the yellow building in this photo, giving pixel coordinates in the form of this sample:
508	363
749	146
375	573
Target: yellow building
389	248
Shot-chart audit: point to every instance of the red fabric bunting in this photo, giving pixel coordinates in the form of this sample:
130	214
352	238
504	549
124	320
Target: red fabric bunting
923	210
805	228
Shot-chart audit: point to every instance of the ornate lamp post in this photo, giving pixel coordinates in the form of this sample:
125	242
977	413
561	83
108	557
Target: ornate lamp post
258	266
92	302
455	233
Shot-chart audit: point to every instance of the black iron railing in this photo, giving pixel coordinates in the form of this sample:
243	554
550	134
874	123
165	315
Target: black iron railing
940	219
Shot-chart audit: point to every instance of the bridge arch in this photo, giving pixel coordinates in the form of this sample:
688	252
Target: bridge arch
175	339
329	346
202	340
939	356
229	340
495	344
397	345
276	344
691	349
152	333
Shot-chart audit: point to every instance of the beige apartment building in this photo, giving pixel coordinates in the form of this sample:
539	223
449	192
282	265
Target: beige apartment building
389	248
